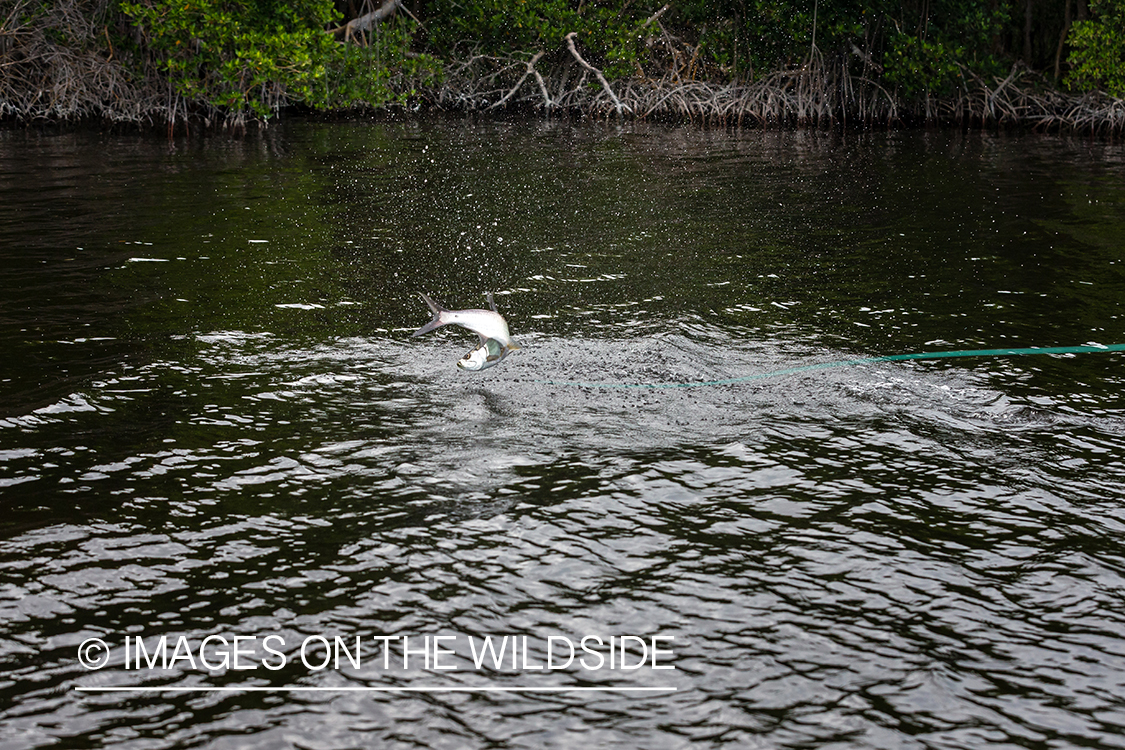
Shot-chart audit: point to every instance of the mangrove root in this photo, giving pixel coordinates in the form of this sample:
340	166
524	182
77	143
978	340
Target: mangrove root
530	71
601	78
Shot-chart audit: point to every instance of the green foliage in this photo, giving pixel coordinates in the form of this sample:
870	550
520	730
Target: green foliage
933	57
608	33
920	66
923	47
495	27
746	38
249	57
1097	50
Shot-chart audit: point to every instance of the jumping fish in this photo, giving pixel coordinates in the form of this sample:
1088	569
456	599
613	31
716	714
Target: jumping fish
489	325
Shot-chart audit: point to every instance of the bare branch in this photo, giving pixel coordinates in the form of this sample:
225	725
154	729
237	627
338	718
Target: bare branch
543	89
514	89
365	22
656	15
605	84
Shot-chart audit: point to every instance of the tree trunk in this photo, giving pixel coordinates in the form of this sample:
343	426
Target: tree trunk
1062	40
363	23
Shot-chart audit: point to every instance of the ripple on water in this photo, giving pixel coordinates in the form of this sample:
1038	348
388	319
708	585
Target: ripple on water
831	548
244	439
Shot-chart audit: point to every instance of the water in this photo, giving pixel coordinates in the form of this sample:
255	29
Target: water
214	423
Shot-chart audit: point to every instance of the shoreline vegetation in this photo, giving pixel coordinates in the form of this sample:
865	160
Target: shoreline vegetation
1055	65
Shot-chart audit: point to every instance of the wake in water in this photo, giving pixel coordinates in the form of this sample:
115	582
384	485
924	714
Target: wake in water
399	406
643	388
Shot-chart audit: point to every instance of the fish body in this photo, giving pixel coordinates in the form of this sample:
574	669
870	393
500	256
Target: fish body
489	353
489	325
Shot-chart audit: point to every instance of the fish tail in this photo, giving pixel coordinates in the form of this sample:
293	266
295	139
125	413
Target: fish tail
438	320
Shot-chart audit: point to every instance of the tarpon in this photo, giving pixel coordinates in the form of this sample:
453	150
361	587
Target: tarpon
489	325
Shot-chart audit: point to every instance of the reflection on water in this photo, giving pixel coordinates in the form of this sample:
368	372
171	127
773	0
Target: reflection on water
214	423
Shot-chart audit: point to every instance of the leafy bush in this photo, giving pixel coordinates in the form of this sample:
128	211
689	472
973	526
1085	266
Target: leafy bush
1097	50
750	38
933	59
250	57
608	33
922	67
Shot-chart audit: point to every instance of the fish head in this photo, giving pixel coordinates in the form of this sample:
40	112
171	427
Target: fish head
489	353
474	360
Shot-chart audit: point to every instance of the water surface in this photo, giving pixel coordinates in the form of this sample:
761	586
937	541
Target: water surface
214	422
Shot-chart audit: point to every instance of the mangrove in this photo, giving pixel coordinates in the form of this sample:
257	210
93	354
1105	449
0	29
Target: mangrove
1048	64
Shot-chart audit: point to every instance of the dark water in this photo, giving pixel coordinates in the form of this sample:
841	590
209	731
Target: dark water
214	423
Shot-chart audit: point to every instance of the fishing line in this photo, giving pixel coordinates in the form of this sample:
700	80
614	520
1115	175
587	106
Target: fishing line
1086	349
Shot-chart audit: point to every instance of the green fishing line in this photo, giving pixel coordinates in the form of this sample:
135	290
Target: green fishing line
1087	349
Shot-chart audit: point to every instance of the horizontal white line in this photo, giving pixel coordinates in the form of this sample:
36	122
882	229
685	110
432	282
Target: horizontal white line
252	688
439	689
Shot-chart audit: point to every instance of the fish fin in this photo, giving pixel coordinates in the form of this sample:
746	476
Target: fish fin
434	307
491	302
513	346
437	322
